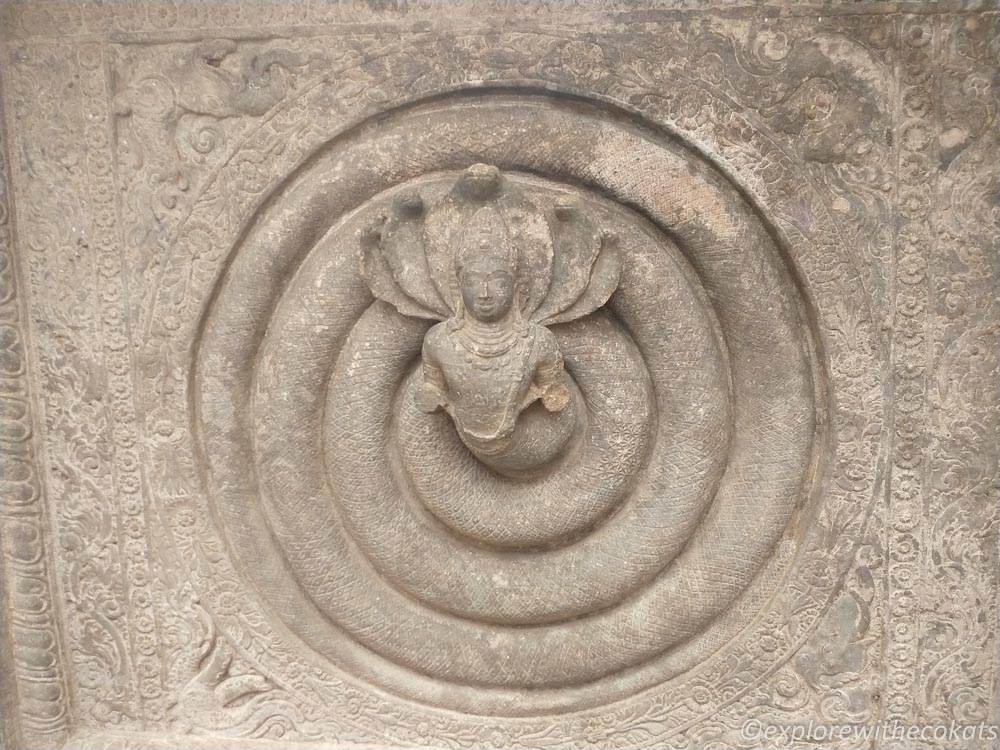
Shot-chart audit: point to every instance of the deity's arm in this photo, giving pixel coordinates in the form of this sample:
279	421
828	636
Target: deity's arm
550	377
432	393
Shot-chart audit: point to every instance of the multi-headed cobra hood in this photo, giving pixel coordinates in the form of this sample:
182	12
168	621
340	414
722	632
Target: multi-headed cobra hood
565	266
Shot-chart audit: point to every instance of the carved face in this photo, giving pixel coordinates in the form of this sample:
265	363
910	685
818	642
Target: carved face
487	289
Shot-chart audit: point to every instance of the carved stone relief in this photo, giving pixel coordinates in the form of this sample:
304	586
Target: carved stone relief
452	377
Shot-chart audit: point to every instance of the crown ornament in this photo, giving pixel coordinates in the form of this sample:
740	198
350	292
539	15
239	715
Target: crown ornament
566	267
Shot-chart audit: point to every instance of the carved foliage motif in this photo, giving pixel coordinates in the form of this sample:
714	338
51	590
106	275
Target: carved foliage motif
958	373
36	674
175	116
820	178
90	417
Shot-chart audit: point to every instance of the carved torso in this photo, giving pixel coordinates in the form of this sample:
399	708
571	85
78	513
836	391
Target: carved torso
486	387
496	268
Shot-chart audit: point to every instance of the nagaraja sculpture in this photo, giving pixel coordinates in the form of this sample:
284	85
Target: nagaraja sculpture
496	270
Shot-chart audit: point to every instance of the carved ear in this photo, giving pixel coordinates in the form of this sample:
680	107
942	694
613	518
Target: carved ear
379	274
586	266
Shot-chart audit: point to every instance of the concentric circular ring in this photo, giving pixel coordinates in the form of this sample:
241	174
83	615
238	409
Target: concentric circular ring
617	401
299	384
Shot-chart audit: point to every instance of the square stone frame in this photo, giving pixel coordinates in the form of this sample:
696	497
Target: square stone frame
887	110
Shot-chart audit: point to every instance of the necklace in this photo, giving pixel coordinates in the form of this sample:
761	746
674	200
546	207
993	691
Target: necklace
495	351
489	340
505	376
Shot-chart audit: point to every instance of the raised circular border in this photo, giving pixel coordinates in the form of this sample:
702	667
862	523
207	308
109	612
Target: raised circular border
661	522
715	224
827	265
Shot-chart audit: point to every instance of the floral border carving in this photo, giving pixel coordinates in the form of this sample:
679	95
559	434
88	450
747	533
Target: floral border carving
39	691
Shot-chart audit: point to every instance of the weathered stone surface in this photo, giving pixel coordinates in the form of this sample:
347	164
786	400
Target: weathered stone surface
537	375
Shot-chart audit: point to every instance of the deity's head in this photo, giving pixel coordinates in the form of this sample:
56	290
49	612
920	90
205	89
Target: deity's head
486	266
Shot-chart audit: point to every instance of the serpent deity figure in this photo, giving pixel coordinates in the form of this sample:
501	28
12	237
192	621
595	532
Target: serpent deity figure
496	268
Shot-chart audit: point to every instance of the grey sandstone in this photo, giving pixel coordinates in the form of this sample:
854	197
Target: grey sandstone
537	374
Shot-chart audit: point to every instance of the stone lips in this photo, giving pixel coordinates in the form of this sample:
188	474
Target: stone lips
444	612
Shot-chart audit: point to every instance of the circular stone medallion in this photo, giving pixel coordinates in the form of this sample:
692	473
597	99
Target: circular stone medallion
506	404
